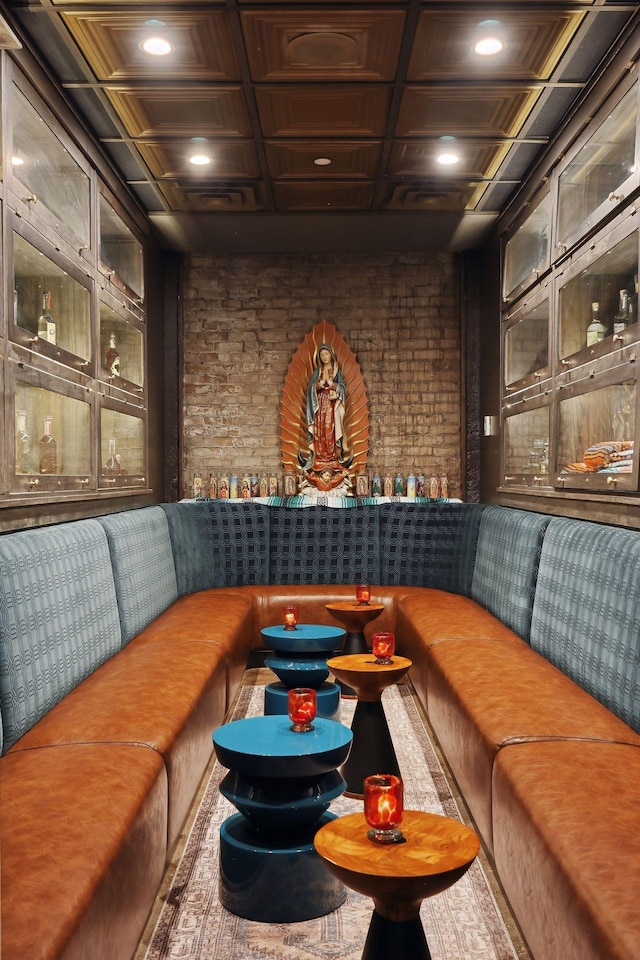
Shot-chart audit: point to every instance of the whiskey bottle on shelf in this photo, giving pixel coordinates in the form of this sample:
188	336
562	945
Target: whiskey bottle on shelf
48	448
112	357
46	322
23	443
596	330
621	319
113	466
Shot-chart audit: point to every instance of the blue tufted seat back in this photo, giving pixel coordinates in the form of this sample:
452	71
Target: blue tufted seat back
429	545
324	545
506	566
58	618
586	614
143	567
217	543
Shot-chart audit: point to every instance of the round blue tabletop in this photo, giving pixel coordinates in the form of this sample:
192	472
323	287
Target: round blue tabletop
268	747
306	638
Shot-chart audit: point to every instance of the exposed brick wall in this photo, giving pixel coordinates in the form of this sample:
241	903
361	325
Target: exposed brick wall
244	318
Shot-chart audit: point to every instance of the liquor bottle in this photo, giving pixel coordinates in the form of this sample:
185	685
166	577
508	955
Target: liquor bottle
46	323
23	443
48	448
621	319
595	331
112	357
113	466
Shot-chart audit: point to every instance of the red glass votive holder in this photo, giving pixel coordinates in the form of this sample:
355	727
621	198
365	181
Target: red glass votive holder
363	593
384	647
384	807
290	616
302	708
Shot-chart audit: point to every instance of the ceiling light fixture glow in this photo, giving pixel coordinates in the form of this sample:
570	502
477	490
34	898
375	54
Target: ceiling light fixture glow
488	46
322	161
489	38
448	159
156	46
199	159
17	161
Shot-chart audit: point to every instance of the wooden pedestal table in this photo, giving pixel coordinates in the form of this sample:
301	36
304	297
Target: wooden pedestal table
437	851
354	617
372	750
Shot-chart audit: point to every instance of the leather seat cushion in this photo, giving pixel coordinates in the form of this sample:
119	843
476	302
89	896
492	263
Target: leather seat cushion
567	846
169	695
483	694
82	856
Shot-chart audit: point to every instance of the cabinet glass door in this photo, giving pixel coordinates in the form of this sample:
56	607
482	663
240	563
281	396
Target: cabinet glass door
49	305
120	252
599	172
122	449
526	345
599	301
121	350
596	430
526	446
527	252
52	439
48	171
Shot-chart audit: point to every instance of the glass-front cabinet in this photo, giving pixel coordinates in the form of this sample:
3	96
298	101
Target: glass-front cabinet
598	297
122	447
571	338
50	176
601	173
596	431
51	302
73	325
526	253
121	349
526	341
526	442
52	437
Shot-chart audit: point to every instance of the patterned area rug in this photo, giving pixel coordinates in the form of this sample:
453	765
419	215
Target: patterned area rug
463	922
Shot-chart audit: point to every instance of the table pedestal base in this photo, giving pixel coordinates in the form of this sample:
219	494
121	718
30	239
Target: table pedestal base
327	700
373	750
275	882
388	938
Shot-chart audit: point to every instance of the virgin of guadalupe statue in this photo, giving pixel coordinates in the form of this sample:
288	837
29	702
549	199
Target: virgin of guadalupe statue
329	456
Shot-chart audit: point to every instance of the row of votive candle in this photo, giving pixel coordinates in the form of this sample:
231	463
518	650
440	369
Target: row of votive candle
248	487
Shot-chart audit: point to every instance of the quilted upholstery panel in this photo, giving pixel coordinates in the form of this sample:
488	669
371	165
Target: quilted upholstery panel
506	567
58	617
586	613
322	545
429	545
143	568
217	543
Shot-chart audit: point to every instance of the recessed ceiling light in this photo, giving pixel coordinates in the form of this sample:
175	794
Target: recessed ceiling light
488	46
156	46
489	40
199	159
322	161
448	159
17	161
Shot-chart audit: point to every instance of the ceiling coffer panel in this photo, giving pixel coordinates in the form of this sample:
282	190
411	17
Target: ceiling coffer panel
308	108
110	42
340	45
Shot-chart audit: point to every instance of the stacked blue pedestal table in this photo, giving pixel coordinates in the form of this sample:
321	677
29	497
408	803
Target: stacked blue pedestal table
282	782
300	660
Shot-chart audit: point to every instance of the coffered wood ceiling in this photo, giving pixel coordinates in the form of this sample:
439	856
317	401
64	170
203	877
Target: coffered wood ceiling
268	88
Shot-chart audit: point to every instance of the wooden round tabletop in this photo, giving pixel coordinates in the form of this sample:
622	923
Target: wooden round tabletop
434	844
436	853
369	678
354	615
